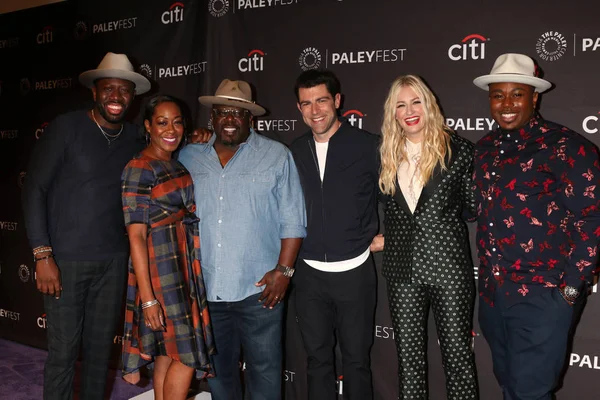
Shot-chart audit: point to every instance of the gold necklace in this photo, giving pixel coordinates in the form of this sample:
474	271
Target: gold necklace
109	138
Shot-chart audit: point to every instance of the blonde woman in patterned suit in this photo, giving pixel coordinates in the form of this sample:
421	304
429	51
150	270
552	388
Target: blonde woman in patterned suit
426	183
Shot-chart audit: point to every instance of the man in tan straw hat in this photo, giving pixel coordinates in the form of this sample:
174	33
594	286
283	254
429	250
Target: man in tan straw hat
74	218
252	221
537	185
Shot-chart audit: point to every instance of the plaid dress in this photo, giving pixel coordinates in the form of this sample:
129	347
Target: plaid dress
160	194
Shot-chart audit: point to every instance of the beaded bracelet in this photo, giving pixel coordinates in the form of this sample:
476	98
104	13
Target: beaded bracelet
41	249
149	304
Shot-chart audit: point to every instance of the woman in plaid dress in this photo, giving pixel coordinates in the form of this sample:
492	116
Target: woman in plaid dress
166	319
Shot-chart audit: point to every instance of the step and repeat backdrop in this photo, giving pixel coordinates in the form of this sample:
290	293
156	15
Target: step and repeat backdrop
187	47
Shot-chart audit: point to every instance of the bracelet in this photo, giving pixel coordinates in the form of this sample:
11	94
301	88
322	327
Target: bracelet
41	249
149	304
43	258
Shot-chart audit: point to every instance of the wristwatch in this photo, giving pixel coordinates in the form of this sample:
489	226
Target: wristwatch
288	272
571	293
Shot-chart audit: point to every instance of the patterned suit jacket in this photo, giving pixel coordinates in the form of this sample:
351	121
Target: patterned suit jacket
431	246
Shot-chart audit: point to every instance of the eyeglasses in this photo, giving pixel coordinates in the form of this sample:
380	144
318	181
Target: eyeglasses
235	113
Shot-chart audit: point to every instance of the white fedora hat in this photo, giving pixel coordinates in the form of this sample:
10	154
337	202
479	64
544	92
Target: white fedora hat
115	66
235	94
517	68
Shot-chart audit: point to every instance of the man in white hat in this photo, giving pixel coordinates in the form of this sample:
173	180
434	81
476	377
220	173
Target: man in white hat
73	213
537	236
252	221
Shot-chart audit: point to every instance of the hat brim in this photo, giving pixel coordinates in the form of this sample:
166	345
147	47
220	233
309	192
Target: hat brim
254	108
539	84
142	85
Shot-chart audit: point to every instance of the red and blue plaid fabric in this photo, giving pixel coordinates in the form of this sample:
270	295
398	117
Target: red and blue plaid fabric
160	194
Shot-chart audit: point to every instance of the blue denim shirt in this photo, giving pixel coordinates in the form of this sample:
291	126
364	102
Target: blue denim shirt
245	209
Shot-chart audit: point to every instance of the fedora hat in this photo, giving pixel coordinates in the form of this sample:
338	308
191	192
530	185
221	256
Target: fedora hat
235	94
115	66
516	68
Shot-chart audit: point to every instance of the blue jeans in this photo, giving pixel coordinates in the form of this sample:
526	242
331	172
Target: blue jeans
247	325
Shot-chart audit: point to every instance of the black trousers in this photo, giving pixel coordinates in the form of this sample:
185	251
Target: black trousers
528	341
453	314
86	314
342	303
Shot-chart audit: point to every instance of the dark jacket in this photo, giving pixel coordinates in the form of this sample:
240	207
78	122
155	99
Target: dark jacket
342	210
431	246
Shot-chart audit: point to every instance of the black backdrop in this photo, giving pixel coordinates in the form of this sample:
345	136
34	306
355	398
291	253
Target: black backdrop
187	47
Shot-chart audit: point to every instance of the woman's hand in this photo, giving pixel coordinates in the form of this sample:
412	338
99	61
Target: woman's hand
154	318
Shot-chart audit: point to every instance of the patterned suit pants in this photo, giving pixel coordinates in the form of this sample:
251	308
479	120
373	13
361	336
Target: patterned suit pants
453	313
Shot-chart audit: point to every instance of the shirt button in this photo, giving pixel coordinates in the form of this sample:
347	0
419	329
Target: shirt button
501	151
496	273
491	224
223	176
218	244
508	135
493	248
221	198
219	221
490	197
516	140
493	173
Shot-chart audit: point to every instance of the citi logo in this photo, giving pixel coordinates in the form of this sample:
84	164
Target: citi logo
340	384
590	124
45	36
173	14
471	47
254	61
589	44
41	321
584	361
39	131
355	118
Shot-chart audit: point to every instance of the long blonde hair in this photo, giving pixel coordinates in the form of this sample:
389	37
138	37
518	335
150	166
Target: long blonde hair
436	140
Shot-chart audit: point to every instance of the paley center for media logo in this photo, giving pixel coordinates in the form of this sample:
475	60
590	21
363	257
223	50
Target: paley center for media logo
218	8
173	14
254	61
551	46
471	47
24	273
310	57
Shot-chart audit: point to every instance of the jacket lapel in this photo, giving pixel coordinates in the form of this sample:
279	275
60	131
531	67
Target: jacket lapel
436	178
400	200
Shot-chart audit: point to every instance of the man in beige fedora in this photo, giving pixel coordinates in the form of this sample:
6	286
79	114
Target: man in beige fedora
252	221
537	184
74	219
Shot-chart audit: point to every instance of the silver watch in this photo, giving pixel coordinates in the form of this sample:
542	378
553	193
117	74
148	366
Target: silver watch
288	272
571	292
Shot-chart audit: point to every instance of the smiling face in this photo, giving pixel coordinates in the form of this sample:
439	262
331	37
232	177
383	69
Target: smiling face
231	125
112	97
512	105
410	114
319	111
165	130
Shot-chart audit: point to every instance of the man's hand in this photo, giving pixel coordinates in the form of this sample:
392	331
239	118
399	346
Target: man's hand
378	243
48	277
200	135
276	286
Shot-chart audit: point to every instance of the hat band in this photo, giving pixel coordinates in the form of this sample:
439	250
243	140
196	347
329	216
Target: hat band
235	98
